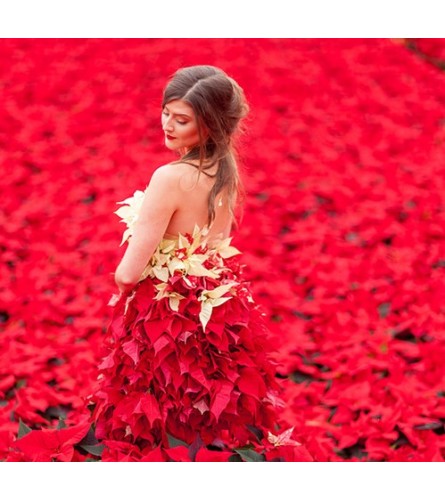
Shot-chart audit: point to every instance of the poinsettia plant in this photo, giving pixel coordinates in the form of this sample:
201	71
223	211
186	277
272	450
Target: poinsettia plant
342	237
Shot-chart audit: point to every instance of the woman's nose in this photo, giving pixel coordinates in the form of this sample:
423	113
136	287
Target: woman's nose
168	125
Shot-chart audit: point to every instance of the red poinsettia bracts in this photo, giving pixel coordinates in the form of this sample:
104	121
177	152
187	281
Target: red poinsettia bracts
187	354
342	240
48	445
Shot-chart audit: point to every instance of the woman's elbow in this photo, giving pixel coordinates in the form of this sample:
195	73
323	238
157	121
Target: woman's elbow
124	282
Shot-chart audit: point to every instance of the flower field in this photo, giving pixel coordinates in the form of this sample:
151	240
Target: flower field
343	233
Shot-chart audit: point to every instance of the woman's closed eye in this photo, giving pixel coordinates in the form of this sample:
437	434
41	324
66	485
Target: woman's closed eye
166	114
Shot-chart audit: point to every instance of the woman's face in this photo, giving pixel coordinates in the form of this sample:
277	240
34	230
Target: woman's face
179	125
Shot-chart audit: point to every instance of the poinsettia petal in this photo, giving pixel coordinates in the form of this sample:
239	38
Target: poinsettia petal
221	398
205	314
205	455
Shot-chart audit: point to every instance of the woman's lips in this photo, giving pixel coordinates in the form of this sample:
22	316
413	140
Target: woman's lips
170	137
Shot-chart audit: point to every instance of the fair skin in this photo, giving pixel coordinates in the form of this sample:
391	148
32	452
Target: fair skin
176	200
179	126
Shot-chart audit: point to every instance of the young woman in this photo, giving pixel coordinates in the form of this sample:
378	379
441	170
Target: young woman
187	349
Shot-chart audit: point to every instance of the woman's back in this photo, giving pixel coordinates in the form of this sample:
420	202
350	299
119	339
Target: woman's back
194	189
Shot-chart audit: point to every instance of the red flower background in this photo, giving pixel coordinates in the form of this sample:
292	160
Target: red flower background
343	232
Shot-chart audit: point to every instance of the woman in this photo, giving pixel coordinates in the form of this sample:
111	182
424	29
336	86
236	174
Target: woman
186	374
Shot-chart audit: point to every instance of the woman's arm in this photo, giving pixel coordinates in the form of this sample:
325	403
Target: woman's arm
160	202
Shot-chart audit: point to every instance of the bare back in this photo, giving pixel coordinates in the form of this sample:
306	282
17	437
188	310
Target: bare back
193	206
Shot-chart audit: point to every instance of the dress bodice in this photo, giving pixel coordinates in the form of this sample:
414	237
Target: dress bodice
189	254
194	254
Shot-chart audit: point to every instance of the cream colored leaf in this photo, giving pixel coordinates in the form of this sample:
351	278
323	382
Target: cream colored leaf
283	439
202	271
134	202
173	297
130	213
205	314
202	406
189	283
167	246
127	201
228	252
114	299
225	250
128	300
125	212
161	273
146	272
183	241
197	234
161	259
125	236
219	291
224	243
174	303
161	288
218	302
198	258
138	197
175	264
195	267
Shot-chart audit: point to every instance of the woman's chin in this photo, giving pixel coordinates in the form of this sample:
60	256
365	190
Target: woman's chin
169	145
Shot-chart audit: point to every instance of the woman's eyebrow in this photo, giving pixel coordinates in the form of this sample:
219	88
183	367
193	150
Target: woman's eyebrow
177	114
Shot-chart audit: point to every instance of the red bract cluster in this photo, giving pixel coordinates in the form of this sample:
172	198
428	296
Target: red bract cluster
181	360
342	236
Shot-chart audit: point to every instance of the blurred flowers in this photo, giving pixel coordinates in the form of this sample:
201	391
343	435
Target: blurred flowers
342	236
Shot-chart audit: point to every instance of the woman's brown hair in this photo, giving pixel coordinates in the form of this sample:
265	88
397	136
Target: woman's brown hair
219	105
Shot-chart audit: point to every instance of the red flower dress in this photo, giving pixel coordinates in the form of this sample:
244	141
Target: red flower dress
186	372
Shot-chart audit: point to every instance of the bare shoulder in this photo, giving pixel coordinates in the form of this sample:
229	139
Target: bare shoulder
164	177
181	175
166	172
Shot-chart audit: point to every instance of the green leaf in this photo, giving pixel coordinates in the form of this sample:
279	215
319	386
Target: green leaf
61	424
90	438
249	455
23	429
95	449
300	377
428	426
173	442
59	411
258	433
195	447
384	309
21	382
